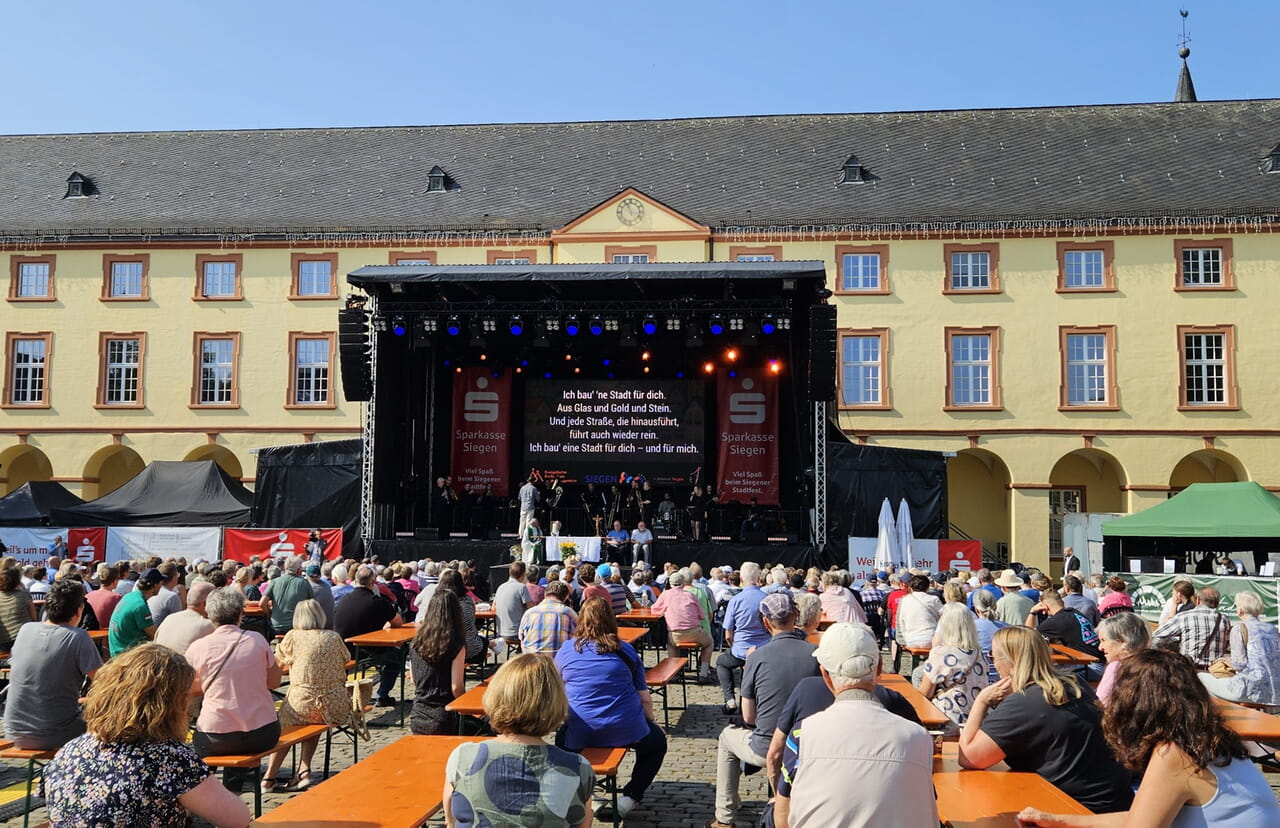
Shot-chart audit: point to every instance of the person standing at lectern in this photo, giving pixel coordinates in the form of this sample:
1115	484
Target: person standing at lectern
528	497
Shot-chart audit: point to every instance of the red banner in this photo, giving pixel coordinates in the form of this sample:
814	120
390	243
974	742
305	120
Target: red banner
481	442
31	545
242	544
748	438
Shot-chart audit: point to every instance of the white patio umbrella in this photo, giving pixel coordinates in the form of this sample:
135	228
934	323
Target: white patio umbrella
905	533
886	538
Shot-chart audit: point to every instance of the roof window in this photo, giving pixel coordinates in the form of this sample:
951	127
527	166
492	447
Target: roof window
1272	162
853	171
437	180
79	186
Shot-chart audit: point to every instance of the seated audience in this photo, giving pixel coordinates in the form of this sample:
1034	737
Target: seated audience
956	671
683	614
16	606
1117	600
517	778
547	626
1013	607
367	610
986	623
917	614
1180	600
1195	770
133	767
1063	625
1074	599
1120	636
838	603
1036	719
893	763
808	612
317	660
48	666
437	664
771	673
235	672
180	629
131	622
510	600
1201	634
609	701
103	599
1255	656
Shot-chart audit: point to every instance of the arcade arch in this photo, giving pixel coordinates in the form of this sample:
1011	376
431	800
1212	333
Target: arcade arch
221	455
21	464
1206	466
978	496
108	469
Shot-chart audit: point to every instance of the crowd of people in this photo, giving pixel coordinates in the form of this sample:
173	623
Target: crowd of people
1135	737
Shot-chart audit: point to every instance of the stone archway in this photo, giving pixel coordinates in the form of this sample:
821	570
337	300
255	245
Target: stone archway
1084	480
1206	466
221	455
978	497
21	464
110	468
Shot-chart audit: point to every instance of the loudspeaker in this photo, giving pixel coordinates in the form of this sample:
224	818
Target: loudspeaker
822	352
354	354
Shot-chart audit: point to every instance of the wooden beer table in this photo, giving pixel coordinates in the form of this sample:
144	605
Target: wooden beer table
400	786
930	716
255	608
393	637
992	798
1249	723
1070	656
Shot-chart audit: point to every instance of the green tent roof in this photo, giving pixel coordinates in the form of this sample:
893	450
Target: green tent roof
1205	510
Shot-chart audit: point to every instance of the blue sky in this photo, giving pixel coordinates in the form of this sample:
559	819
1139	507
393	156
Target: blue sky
77	66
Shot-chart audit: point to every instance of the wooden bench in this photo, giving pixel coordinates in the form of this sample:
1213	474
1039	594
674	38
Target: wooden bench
660	676
289	737
693	652
35	760
604	763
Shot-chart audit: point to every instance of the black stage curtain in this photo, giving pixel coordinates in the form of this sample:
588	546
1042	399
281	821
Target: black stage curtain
311	485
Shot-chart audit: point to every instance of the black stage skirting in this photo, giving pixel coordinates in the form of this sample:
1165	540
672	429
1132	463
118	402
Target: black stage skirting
490	553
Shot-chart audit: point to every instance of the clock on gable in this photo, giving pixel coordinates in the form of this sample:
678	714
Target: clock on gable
630	211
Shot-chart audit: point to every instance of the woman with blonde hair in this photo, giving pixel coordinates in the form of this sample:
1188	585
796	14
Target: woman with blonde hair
956	671
136	714
1036	719
517	778
317	662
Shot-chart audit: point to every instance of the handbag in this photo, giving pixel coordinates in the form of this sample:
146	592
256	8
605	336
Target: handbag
1222	668
360	694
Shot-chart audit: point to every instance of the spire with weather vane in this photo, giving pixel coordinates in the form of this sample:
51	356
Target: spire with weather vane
1186	89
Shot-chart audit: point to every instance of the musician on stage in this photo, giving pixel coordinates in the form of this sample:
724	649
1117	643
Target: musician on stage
618	542
641	544
593	501
617	503
446	499
645	498
698	505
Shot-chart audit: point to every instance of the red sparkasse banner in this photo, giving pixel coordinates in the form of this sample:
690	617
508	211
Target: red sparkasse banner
481	444
748	438
30	545
242	544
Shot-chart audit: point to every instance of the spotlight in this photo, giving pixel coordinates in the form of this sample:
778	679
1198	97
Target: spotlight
453	326
488	324
458	370
784	322
775	366
646	369
571	326
673	323
596	325
768	324
398	326
515	325
708	367
715	324
736	322
551	324
731	355
649	325
645	356
430	324
568	357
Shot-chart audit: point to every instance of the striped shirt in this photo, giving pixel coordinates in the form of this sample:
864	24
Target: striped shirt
545	627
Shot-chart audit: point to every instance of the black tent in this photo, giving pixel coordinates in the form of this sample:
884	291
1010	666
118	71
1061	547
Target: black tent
311	485
168	493
31	503
860	477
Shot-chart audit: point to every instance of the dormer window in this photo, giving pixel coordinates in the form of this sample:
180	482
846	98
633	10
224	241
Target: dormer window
437	180
78	186
1272	163
852	171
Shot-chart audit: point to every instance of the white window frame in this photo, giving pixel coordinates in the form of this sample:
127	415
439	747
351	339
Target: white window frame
128	373
311	380
1084	269
970	261
28	373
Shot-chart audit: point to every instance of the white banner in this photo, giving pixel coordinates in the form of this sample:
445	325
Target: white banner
931	555
30	545
190	542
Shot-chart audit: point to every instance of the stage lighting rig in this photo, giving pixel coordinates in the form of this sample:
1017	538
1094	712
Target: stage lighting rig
429	324
649	325
571	325
715	324
515	324
399	326
551	324
488	324
596	325
736	322
453	325
674	323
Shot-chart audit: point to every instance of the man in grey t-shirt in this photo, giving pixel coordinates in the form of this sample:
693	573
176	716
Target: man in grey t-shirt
510	601
50	661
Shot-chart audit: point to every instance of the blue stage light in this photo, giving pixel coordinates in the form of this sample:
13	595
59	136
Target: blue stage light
398	326
649	325
571	326
454	326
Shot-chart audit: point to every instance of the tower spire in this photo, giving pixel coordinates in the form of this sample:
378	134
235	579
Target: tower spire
1186	89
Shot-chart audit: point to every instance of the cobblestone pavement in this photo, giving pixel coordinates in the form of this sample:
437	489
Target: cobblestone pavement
681	797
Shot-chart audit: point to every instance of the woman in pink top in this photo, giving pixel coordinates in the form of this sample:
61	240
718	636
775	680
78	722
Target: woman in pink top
1121	635
1116	598
235	672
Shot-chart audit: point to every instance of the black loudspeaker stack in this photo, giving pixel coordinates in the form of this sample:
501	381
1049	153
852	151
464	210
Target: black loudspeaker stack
354	354
822	352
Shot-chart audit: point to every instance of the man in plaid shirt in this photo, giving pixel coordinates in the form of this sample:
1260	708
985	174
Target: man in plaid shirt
1200	634
873	599
545	627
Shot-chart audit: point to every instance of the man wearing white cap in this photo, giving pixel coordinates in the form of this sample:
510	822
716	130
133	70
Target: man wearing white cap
855	738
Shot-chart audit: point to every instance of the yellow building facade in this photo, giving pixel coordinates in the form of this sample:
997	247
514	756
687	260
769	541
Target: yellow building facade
1092	348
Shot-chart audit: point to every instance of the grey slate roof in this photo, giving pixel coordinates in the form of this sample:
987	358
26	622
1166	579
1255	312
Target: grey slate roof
1093	162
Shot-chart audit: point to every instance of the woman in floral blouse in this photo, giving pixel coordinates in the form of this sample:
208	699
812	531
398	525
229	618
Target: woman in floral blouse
133	767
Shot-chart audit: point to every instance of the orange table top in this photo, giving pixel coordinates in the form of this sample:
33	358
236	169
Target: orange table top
255	608
486	615
825	621
930	716
1249	723
99	635
1075	656
992	798
643	614
470	703
393	637
632	634
407	776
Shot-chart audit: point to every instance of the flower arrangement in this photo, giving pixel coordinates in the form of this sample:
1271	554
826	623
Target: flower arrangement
517	551
568	549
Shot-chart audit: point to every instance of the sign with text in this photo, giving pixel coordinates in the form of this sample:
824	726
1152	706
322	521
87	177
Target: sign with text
608	431
748	438
481	444
242	544
927	554
132	543
31	545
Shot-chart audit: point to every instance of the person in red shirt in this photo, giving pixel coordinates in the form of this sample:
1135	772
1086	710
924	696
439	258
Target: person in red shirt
891	606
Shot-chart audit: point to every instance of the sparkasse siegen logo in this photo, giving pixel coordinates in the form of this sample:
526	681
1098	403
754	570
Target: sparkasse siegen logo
480	406
747	407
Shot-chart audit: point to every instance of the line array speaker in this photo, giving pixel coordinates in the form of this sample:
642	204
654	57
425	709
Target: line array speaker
354	354
822	352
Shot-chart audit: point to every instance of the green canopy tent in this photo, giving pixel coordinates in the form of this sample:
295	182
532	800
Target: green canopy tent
1201	522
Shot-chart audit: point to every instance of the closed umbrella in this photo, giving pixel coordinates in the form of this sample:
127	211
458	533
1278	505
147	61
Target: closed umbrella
905	533
886	538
